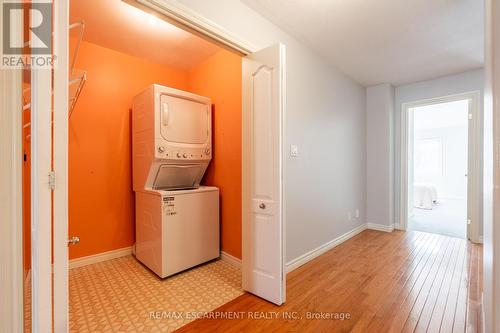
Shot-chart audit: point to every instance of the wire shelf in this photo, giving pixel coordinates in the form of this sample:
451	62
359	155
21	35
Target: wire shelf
76	80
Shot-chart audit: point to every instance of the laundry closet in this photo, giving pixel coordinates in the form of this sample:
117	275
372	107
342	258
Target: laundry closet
119	55
145	217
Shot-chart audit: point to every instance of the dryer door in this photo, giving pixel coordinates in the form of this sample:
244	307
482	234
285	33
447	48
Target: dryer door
175	177
184	121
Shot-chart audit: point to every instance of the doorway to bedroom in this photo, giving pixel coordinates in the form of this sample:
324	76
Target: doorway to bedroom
440	160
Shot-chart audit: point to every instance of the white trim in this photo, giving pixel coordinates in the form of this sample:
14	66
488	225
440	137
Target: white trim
236	262
305	258
474	169
491	171
178	13
480	240
184	17
100	257
474	180
41	197
123	252
481	311
283	169
11	226
60	157
380	227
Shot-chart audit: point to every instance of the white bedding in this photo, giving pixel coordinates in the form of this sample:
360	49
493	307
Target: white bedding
424	195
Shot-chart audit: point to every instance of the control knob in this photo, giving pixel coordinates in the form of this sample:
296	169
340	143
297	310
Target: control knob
179	155
161	149
184	155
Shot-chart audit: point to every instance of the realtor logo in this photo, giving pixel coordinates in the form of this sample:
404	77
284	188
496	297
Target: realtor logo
37	18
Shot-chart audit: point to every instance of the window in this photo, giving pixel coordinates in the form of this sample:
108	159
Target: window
428	158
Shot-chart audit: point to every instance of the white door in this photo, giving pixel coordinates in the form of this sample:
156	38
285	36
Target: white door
60	166
263	230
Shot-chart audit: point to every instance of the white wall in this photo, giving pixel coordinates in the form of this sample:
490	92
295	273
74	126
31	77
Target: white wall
451	183
379	163
325	118
444	86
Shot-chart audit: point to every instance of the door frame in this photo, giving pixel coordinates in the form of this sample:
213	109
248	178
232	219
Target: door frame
60	165
474	163
11	200
175	13
189	20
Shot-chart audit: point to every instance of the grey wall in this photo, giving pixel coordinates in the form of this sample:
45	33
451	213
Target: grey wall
325	118
447	85
327	180
380	155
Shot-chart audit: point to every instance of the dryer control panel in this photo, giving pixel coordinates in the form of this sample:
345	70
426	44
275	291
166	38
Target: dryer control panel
163	152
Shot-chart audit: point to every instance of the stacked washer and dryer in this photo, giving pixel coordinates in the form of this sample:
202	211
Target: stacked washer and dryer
177	220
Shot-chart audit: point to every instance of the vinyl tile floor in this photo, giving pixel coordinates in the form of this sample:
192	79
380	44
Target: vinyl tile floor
122	295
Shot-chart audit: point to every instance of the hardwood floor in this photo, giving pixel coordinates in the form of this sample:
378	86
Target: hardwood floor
385	282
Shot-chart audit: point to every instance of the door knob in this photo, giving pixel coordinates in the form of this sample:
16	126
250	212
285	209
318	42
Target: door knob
74	240
262	206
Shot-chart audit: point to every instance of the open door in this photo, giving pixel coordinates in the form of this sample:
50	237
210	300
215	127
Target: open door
263	229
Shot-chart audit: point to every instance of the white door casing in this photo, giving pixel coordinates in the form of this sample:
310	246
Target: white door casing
11	220
473	179
273	251
41	197
262	207
60	160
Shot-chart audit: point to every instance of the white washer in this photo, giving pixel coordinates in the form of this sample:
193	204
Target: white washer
177	230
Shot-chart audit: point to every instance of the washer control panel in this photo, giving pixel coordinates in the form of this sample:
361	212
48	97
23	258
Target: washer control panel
183	154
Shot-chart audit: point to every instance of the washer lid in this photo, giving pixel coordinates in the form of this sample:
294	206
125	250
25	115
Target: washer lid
176	176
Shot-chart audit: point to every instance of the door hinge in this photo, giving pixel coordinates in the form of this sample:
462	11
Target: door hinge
52	180
470	116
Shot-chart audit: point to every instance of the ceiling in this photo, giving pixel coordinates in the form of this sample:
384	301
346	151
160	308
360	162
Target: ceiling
117	25
385	41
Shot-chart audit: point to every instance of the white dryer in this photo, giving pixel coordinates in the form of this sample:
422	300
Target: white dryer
171	138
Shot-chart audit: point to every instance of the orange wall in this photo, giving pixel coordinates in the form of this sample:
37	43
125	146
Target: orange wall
219	78
101	201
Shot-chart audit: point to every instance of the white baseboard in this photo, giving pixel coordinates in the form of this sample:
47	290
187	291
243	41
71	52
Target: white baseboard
481	307
290	266
230	259
305	258
380	227
95	258
480	240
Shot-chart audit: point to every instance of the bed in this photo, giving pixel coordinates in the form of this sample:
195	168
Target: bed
424	195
